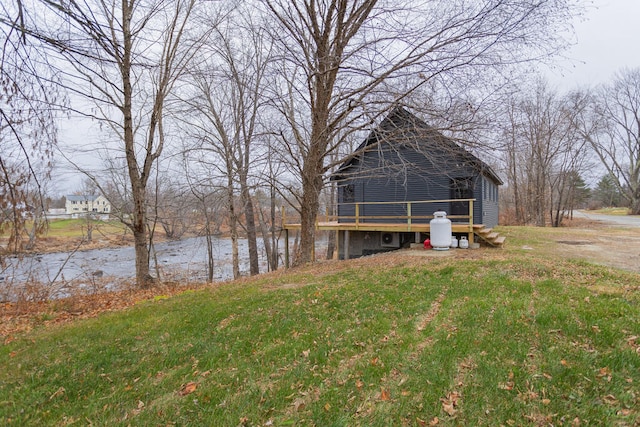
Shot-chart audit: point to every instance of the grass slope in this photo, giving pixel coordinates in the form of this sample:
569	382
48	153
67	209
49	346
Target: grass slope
506	339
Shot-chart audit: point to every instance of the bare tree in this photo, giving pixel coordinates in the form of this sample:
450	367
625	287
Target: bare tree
610	122
339	58
28	131
227	99
125	57
542	153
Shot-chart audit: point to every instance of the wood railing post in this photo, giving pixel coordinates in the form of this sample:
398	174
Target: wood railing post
471	222
357	215
282	216
408	216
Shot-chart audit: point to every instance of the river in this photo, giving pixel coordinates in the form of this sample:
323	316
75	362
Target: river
184	260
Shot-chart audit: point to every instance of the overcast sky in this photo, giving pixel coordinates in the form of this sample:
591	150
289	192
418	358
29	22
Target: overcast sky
608	40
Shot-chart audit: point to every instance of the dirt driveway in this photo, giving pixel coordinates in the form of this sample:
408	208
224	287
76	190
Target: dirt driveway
603	240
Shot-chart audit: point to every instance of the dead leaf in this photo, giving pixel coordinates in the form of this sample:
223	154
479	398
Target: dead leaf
188	388
327	407
610	399
434	422
384	394
359	384
450	402
448	408
506	386
564	363
546	401
299	405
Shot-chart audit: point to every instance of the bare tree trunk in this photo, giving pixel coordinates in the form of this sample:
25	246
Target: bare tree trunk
250	220
265	238
233	228
331	243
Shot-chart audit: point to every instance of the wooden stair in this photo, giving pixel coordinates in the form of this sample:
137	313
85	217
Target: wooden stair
489	236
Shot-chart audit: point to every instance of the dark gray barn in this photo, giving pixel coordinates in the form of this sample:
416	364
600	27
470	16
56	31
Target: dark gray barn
404	159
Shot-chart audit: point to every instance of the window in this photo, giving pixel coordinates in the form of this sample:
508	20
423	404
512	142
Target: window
349	194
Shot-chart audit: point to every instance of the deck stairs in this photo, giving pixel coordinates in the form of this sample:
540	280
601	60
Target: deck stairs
489	236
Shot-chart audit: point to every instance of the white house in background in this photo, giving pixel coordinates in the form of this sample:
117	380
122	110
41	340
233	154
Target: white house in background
81	204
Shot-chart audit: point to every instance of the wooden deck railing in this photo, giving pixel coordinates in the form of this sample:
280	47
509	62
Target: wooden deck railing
403	223
408	206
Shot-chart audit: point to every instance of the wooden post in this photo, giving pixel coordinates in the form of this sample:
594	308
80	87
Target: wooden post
286	248
470	222
408	216
357	215
346	244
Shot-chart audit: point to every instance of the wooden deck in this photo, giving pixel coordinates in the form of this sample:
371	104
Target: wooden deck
460	224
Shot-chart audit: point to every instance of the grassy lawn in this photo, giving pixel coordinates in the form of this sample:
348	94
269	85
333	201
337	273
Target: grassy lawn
611	211
490	338
76	228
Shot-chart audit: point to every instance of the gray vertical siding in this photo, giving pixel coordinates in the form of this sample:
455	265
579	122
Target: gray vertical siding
407	175
405	159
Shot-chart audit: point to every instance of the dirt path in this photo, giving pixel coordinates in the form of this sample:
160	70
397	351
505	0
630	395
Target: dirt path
602	239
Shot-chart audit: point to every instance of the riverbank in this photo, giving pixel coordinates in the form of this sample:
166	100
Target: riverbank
585	240
412	337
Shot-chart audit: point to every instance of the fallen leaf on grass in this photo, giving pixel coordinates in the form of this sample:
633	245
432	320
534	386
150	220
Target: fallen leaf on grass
506	386
188	388
605	373
610	399
299	405
384	394
450	403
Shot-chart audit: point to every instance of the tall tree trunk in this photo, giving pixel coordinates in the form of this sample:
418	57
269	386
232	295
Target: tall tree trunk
331	242
311	186
138	223
265	237
233	228
250	219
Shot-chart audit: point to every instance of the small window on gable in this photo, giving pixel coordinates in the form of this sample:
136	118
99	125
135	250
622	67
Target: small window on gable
348	195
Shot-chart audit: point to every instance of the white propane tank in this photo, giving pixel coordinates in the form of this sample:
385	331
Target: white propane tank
464	243
454	242
440	231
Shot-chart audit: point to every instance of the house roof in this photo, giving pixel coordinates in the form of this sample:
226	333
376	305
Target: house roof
82	197
400	126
